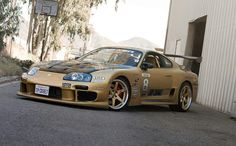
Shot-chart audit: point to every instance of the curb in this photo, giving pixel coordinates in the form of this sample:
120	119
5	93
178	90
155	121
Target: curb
4	80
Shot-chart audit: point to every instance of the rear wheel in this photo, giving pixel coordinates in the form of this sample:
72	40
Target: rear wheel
119	94
184	99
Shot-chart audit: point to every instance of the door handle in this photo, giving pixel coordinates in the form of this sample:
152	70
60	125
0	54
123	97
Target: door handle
168	76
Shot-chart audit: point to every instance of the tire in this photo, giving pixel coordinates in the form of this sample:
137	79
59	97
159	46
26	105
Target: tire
119	94
184	99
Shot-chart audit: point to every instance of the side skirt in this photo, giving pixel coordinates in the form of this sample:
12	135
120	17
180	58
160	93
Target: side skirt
157	103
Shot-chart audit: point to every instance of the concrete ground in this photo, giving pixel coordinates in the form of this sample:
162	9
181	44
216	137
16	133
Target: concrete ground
29	122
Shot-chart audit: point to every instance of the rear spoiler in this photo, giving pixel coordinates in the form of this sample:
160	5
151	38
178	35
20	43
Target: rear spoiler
197	59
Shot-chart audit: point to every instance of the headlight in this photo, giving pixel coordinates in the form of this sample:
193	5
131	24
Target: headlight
33	71
82	77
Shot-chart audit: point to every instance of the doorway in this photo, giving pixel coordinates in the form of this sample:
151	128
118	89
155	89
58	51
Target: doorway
195	41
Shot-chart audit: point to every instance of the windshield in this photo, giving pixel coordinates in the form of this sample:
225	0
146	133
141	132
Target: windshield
113	56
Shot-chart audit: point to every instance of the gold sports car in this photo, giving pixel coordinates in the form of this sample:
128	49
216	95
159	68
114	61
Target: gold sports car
112	77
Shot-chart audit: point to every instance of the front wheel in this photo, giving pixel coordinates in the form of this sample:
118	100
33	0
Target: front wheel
119	94
184	99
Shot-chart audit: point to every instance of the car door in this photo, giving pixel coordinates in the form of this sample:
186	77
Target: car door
158	80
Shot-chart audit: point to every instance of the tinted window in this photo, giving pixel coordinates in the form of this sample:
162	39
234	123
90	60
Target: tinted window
164	62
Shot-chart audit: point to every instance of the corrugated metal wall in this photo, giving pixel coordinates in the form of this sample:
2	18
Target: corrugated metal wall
217	77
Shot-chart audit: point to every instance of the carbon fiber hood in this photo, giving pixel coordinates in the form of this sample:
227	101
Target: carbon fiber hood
77	66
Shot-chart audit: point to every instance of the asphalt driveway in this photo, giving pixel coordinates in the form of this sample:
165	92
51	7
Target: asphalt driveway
29	122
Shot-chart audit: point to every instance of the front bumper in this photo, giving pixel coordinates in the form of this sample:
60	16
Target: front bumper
87	104
75	93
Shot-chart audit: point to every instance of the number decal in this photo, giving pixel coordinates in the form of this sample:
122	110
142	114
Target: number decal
145	84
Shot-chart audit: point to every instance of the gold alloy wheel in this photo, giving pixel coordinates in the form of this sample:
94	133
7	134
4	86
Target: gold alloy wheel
186	97
118	94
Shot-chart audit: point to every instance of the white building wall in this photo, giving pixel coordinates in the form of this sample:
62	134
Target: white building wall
217	77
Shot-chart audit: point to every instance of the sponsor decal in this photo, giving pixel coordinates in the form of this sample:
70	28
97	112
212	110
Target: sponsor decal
146	75
135	90
135	87
98	88
136	80
66	85
98	79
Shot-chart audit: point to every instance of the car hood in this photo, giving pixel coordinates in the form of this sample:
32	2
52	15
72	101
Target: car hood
77	66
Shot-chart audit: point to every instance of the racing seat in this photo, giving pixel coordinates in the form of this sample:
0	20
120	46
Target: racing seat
152	60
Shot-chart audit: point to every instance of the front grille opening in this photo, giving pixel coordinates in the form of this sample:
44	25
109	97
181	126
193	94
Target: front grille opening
86	96
23	88
172	92
81	87
55	92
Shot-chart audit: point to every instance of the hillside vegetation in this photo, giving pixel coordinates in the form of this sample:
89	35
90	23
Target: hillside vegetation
12	67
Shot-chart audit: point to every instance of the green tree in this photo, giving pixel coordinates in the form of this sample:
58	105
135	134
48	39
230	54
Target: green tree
72	19
9	19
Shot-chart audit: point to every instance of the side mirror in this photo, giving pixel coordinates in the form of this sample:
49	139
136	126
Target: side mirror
146	66
183	67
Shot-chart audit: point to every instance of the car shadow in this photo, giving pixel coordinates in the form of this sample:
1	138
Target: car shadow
148	108
61	104
140	108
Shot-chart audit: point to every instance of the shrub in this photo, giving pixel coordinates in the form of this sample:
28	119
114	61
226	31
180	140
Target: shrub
12	66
